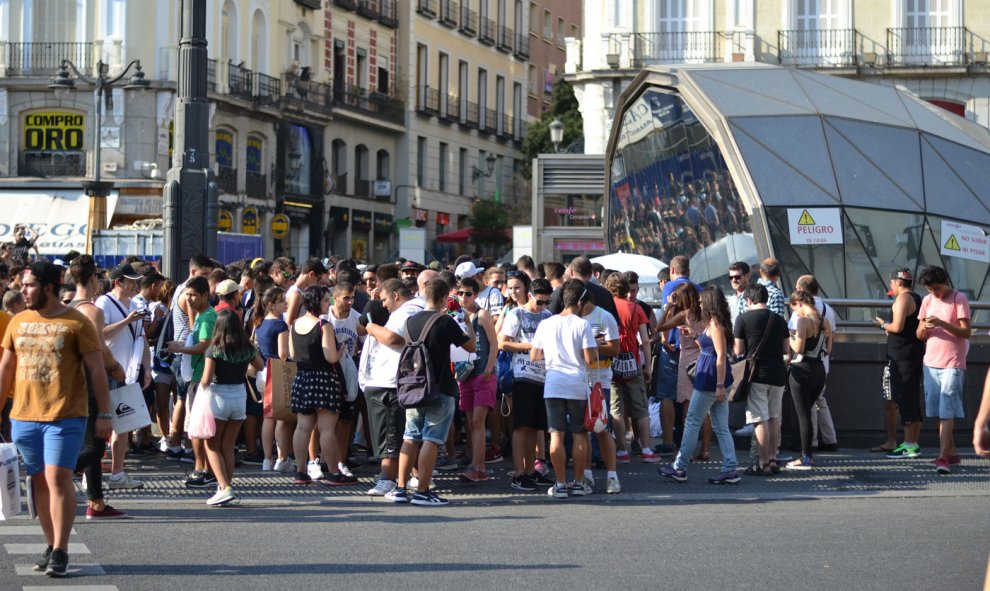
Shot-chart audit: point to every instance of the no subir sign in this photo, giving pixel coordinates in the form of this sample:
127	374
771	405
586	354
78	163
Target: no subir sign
964	241
815	225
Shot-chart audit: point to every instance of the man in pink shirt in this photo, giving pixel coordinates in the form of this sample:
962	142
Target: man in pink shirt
944	324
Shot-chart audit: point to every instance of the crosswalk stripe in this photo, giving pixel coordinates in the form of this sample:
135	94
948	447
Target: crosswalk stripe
73	588
74	548
75	570
24	530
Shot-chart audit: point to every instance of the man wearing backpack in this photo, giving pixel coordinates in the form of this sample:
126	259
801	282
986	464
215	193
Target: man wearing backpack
427	424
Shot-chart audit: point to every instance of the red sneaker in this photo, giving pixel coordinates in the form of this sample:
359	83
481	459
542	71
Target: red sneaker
953	460
108	512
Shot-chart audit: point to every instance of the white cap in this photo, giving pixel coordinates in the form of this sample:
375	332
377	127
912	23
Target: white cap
466	269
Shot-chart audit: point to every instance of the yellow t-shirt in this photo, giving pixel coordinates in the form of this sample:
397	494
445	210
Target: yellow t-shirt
50	384
4	321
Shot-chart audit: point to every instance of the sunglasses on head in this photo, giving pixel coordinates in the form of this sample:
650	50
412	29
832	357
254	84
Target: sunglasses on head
515	274
465	294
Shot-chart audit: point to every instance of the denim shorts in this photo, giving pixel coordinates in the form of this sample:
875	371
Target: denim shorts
57	443
565	415
665	385
944	392
229	402
430	423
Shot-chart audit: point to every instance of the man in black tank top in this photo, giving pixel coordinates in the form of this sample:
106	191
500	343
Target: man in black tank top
905	353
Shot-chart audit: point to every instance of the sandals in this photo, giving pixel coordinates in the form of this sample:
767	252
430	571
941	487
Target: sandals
881	448
756	470
802	463
774	467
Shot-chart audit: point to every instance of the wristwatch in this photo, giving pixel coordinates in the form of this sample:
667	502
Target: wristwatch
104	415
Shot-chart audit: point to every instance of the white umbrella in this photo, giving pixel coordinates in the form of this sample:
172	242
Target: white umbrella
646	267
713	261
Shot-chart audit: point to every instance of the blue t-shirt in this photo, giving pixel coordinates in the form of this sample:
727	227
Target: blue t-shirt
267	337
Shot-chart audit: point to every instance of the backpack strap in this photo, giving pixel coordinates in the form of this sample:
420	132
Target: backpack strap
426	329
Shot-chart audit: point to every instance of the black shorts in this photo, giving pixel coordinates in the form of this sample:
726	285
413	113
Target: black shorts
348	411
387	421
528	408
906	378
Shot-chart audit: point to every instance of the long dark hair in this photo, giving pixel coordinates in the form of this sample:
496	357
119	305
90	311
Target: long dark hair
230	341
686	300
715	307
264	301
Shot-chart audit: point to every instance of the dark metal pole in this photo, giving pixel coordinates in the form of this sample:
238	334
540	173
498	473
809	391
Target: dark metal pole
190	193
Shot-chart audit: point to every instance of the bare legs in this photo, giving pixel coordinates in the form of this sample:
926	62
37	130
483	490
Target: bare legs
55	499
220	451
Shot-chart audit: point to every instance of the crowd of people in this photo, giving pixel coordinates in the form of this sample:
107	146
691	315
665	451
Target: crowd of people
510	357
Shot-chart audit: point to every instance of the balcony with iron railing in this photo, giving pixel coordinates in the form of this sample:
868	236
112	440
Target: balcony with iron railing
487	31
267	89
44	58
491	122
211	75
469	21
507	129
471	115
522	46
817	48
451	109
367	9
692	47
428	101
427	8
346	4
239	82
227	180
448	13
928	46
339	183
362	188
256	185
505	39
388	13
375	104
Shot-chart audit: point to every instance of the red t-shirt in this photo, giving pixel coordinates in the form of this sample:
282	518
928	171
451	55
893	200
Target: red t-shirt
631	317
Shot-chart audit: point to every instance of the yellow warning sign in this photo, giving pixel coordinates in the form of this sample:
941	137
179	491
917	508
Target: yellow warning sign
952	243
806	219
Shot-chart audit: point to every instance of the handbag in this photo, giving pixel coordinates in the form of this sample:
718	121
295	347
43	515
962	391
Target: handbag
202	424
350	372
596	413
503	368
744	370
691	369
625	366
10	481
129	410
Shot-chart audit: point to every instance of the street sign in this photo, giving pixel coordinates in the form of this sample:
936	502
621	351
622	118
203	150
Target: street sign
280	226
964	241
226	221
249	220
815	225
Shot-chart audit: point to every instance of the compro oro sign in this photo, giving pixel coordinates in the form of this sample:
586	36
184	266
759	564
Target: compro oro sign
964	241
54	130
814	225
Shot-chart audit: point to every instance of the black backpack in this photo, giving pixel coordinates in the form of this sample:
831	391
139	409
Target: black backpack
416	385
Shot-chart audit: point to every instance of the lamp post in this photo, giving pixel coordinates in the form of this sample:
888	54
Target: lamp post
556	134
62	85
477	173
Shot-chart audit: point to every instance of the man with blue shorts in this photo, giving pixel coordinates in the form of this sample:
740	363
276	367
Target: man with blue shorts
46	347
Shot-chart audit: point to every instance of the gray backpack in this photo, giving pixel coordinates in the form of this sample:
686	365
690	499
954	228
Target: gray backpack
416	384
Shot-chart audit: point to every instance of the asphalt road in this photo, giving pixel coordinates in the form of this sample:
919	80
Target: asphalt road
864	543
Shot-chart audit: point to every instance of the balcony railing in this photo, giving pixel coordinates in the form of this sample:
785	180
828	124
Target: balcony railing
427	8
693	47
934	46
486	31
448	13
522	46
491	122
340	184
346	4
239	82
367	9
51	163
508	127
452	109
227	180
268	89
471	116
376	104
44	58
505	38
362	188
256	185
211	75
469	21
428	101
817	47
388	13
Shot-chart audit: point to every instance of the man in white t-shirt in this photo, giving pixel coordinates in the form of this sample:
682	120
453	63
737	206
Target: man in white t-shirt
568	347
349	334
606	331
490	297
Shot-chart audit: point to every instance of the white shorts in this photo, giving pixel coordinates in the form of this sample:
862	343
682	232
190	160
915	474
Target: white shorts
764	403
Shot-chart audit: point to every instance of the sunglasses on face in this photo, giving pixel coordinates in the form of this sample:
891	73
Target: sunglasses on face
465	294
735	277
540	302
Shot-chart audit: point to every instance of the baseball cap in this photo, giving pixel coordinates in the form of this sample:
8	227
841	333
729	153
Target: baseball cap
465	270
124	271
47	273
410	265
902	273
227	287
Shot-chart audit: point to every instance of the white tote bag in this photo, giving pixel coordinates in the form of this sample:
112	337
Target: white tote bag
10	495
350	378
129	410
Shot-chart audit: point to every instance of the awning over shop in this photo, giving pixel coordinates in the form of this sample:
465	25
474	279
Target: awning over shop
59	217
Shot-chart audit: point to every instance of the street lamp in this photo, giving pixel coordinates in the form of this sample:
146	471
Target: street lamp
62	85
477	173
556	134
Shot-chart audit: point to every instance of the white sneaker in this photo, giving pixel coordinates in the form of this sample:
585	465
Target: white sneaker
83	484
580	489
747	430
123	481
612	486
221	497
163	444
590	480
285	465
413	483
343	469
267	465
381	488
314	470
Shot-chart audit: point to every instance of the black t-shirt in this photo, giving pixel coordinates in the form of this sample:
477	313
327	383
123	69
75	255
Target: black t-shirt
601	297
361	299
374	311
445	332
231	372
750	326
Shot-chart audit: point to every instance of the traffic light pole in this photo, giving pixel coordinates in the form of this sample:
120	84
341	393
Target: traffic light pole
190	195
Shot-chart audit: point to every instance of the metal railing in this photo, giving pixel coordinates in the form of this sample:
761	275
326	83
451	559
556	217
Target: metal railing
448	12
239	82
340	184
505	38
388	13
379	105
366	8
934	46
508	127
452	110
256	185
857	315
346	4
227	180
211	75
427	7
818	47
691	47
44	58
486	31
471	114
491	122
362	188
522	45
268	89
469	21
428	100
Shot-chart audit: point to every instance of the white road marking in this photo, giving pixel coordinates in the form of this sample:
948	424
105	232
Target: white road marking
24	530
74	548
75	570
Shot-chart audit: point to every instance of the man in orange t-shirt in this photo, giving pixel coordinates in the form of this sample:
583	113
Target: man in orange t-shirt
46	347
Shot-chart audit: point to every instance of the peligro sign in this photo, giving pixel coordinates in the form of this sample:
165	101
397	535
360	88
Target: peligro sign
814	225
